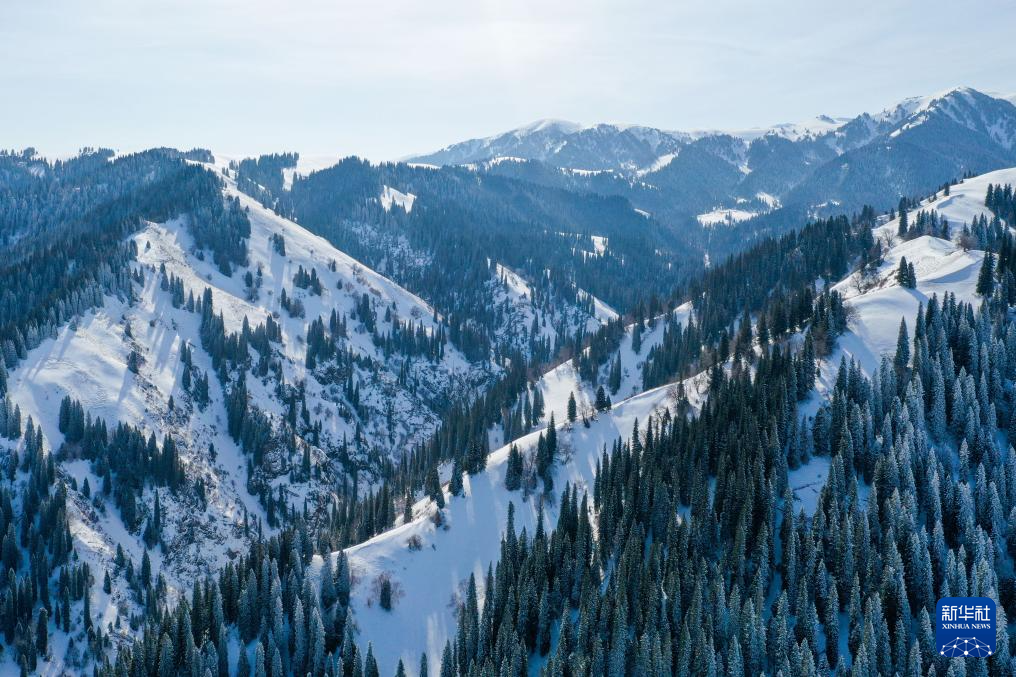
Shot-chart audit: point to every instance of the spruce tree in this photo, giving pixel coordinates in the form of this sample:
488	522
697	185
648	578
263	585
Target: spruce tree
614	380
455	484
902	278
385	594
905	275
433	486
513	470
902	358
370	668
986	276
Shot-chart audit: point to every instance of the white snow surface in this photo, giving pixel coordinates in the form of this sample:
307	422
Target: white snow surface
723	216
601	310
87	360
430	581
940	265
793	131
305	165
390	196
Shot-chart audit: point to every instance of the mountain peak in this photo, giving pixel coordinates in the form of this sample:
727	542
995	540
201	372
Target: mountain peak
917	104
552	125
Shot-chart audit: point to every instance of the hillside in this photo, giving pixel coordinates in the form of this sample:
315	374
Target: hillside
942	266
124	363
429	564
767	177
431	580
468	540
227	394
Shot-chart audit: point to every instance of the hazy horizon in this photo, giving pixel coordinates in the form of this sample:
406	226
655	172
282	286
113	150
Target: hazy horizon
386	82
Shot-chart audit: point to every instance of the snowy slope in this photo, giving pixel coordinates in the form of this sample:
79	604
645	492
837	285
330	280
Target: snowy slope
556	318
792	131
428	581
560	382
941	266
88	359
965	201
723	216
342	288
601	310
390	196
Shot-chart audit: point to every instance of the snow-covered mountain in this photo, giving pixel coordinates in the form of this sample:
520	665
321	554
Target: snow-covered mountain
124	362
469	536
941	266
631	147
429	562
292	405
356	374
606	146
872	158
566	144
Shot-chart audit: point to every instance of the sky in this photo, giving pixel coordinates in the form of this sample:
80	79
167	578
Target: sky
386	79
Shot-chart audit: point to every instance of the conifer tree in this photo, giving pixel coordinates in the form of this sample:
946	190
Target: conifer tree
513	470
614	380
370	668
455	484
902	358
905	275
986	276
434	491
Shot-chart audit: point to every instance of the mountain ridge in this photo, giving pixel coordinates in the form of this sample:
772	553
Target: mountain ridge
820	126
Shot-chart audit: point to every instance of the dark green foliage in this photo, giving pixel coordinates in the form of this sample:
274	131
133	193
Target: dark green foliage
385	594
64	229
986	276
1001	201
513	471
775	277
905	275
433	488
455	483
132	460
261	177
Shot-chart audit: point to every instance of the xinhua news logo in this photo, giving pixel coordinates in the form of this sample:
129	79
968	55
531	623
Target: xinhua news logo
965	627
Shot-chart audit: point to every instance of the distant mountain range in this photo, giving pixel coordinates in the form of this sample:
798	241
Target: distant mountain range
822	166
